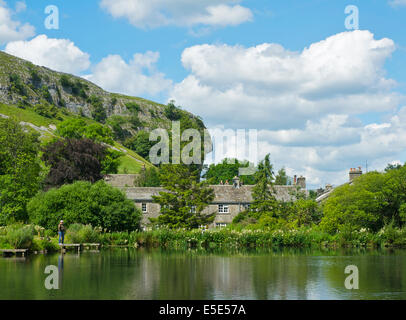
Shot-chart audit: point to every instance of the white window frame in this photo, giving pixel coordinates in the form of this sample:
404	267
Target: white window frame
144	207
192	209
223	209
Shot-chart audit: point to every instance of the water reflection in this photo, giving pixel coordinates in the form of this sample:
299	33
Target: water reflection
60	270
156	274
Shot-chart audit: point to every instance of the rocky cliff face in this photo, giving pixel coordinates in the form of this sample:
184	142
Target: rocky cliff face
23	83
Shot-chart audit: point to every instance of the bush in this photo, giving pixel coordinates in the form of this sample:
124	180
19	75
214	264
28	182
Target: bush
370	202
46	110
43	244
140	144
18	236
79	128
171	112
78	233
99	205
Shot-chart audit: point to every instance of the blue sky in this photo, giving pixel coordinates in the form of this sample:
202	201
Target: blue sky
319	130
293	23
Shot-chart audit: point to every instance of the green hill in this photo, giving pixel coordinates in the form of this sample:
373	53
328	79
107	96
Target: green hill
41	98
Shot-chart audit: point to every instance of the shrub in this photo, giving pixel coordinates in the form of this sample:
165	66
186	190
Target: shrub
40	244
79	128
19	236
46	110
78	233
99	205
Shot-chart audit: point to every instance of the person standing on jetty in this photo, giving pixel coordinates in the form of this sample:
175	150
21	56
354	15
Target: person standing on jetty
61	232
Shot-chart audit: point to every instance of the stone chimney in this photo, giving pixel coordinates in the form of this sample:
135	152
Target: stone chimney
355	173
301	182
236	182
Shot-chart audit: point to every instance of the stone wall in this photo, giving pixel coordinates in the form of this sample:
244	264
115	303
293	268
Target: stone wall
121	180
236	199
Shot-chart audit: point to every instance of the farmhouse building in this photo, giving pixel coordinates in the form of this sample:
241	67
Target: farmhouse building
229	200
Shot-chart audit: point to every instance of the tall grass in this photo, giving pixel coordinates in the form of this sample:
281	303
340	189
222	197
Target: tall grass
20	236
17	236
245	238
78	233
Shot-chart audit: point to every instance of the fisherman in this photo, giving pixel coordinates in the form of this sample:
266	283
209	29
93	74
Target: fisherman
61	232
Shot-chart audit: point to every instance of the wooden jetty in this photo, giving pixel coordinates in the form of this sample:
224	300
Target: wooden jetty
10	252
69	245
79	246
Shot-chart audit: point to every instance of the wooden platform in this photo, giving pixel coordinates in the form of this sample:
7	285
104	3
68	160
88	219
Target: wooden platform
6	252
79	246
69	245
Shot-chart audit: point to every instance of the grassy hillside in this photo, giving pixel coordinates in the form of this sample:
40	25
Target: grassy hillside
23	83
131	162
42	98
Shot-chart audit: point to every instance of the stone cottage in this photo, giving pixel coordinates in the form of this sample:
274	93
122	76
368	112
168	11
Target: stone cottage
229	200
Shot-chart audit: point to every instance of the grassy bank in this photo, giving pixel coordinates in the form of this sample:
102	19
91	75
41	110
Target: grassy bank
30	237
230	238
38	239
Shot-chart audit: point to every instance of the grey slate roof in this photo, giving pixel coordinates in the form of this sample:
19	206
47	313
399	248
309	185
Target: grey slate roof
223	193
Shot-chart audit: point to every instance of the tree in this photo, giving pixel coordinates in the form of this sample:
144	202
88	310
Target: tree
20	170
262	193
281	179
172	112
265	209
185	199
82	202
99	112
371	201
79	128
149	177
391	166
116	123
140	144
73	160
227	170
304	212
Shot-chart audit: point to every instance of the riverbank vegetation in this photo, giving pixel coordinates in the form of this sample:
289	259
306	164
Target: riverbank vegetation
40	186
38	239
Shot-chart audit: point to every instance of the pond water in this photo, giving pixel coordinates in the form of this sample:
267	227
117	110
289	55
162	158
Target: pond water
158	274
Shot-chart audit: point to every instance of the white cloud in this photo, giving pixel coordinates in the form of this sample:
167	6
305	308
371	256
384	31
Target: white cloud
57	54
397	3
268	86
157	13
138	76
11	30
305	104
379	143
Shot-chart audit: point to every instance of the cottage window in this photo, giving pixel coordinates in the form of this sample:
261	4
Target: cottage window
223	208
144	207
193	209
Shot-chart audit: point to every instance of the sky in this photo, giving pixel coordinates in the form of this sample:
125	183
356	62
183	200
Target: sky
324	92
